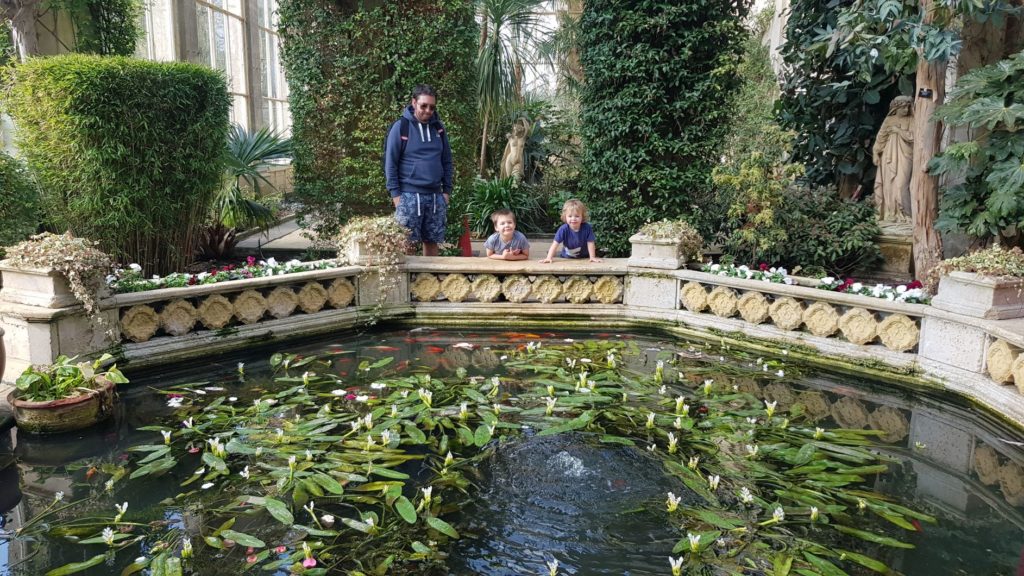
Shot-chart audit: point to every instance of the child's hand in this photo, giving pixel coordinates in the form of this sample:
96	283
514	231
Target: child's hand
546	261
595	260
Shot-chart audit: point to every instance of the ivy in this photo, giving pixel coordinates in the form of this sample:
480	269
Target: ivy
660	77
351	68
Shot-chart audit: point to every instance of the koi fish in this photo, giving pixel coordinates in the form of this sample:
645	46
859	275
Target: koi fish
434	349
464	345
520	336
383	348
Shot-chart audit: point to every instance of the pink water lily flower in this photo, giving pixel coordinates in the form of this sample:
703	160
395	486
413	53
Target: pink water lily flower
309	562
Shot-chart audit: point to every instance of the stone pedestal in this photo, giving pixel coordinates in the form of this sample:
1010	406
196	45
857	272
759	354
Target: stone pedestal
896	243
649	252
980	296
651	292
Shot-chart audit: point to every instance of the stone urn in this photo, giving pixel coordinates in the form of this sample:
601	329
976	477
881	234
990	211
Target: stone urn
65	414
45	288
980	296
648	252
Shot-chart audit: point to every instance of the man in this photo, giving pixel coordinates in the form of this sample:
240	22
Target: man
418	169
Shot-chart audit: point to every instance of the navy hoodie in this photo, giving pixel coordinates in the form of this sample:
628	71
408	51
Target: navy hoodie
426	165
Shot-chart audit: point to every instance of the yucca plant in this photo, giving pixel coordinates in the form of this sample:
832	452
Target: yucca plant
245	155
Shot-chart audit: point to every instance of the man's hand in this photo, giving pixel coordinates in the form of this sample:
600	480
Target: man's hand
395	200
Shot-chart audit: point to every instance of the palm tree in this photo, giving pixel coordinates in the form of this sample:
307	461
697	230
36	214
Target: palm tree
245	155
509	32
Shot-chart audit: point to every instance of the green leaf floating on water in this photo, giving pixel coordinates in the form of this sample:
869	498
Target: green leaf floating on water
872	537
442	527
405	509
76	567
243	538
581	421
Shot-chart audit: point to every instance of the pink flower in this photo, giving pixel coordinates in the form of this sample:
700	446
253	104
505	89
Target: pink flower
280	550
251	558
250	260
309	562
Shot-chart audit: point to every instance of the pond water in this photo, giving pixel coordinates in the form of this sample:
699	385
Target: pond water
581	480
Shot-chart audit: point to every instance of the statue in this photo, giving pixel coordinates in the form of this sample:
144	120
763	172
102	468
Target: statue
893	154
512	159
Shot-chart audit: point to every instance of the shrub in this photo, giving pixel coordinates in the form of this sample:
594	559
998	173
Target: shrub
19	203
127	152
65	378
486	196
351	71
655	107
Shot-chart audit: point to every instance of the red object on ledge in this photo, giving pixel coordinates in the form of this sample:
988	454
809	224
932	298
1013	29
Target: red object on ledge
465	244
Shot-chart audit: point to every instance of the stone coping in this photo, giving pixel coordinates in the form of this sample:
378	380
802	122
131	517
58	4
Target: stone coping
806	292
484	265
132	298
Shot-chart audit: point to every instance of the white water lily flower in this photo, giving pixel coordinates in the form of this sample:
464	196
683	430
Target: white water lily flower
426	396
362	398
673	502
244	473
780	373
672	443
694	542
385	437
745	496
309	455
769	407
677	423
463	410
427	494
778	515
553	567
291	462
368	421
108	535
186	548
694	461
175	402
814	513
448	459
167	436
713	481
551	405
338	392
58	496
355	424
677	563
752	449
207	486
650	419
378	385
187	423
819	433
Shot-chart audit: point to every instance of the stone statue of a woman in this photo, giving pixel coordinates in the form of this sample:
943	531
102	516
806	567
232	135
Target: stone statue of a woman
893	154
512	159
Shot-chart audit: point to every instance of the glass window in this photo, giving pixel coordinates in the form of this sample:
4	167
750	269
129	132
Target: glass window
221	32
273	88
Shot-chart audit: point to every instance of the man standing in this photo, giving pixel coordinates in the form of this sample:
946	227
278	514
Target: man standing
418	169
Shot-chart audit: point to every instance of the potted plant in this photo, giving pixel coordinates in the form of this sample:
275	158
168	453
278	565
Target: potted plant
666	244
66	395
988	283
55	271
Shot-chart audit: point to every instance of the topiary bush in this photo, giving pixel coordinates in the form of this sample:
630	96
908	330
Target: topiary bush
19	203
127	152
351	70
655	107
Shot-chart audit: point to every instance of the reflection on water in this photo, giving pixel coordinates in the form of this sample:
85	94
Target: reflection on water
565	497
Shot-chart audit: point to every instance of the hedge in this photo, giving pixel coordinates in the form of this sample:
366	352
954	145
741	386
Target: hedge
127	152
19	203
351	67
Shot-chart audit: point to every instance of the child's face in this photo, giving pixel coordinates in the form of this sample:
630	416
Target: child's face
505	225
574	220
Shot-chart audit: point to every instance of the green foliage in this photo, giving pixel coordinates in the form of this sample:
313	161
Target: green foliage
7	50
127	152
19	203
834	96
989	103
351	70
65	378
994	262
486	196
775	221
104	27
660	77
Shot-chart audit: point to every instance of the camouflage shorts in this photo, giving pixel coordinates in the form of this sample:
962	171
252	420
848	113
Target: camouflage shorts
424	215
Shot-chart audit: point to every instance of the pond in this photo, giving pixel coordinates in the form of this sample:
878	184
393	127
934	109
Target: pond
503	453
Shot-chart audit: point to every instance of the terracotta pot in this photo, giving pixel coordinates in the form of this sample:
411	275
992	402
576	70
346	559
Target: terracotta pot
65	414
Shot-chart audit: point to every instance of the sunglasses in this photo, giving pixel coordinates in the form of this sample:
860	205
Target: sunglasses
426	106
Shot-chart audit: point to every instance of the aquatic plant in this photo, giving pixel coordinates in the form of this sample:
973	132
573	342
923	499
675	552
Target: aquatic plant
366	477
65	378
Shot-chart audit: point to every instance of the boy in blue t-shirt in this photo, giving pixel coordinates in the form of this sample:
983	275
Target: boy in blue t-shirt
575	236
506	243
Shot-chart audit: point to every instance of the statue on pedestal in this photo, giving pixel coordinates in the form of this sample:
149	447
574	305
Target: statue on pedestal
512	159
893	154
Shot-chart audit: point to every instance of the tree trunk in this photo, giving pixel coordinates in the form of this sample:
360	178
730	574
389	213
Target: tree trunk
483	144
22	14
924	188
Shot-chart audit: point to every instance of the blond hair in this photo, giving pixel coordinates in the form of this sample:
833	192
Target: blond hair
574	205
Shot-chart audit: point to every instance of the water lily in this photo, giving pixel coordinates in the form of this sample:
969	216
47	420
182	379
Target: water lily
552	568
752	450
491	429
121	509
58	496
497	408
681	407
427	495
677	423
650	419
861	504
394	410
369	443
673	502
611	359
745	496
355	424
309	455
186	548
207	485
707	387
448	459
769	407
551	390
167	436
778	515
819	433
659	371
108	535
187	423
814	513
677	565
291	463
244	473
551	405
175	401
694	461
338	392
463	411
241	368
694	542
672	443
780	373
713	481
368	421
426	396
663	390
378	385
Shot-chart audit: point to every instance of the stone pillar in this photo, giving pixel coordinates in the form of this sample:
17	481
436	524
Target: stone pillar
40	319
